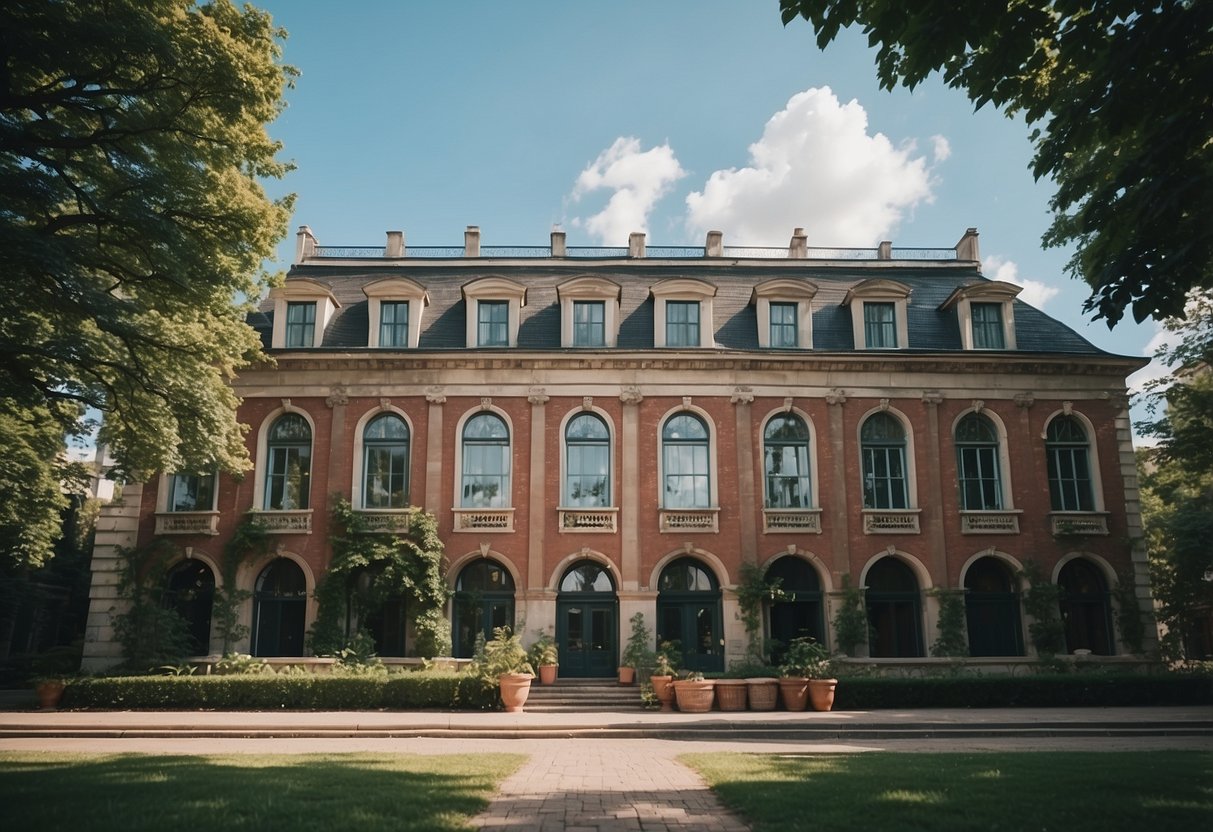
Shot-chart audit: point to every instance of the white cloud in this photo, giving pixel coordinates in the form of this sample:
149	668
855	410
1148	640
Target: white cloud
1035	293
1155	369
638	178
815	166
941	149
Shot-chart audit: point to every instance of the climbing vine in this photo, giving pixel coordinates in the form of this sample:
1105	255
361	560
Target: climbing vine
753	590
952	641
150	633
1128	612
248	540
1041	602
851	620
367	569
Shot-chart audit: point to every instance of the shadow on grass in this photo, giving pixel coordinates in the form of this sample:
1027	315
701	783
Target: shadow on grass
130	793
1013	791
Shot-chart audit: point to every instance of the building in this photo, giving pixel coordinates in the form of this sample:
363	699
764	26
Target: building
604	431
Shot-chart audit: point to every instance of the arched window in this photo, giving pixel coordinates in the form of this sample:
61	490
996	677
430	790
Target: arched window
279	609
587	472
977	464
685	465
786	461
1085	608
1068	457
799	614
587	628
484	600
486	462
992	609
883	447
385	463
288	463
689	612
189	589
894	610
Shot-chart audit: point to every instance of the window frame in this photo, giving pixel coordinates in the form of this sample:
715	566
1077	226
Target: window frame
868	460
993	292
395	290
395	328
879	291
806	478
493	290
1054	448
567	473
300	334
504	478
269	477
592	327
366	446
684	290
785	291
689	332
706	473
986	454
302	290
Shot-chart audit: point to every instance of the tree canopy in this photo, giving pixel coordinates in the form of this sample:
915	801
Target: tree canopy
1121	96
133	228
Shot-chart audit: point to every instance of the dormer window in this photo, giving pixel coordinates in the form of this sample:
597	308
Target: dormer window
302	309
986	314
785	314
589	312
395	305
682	313
493	305
879	314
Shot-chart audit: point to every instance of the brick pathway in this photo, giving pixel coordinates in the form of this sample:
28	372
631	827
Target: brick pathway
592	786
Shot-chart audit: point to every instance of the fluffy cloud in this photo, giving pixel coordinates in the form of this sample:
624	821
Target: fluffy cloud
639	178
816	166
1034	292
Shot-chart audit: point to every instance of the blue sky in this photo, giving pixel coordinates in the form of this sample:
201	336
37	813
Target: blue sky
667	117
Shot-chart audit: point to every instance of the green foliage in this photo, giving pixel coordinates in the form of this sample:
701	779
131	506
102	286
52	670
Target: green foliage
851	621
1120	95
753	591
249	540
134	230
149	633
367	570
501	654
806	658
1128	612
952	640
1041	602
544	651
637	653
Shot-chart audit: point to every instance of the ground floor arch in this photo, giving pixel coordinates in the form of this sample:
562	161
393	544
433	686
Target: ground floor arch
689	612
279	609
587	621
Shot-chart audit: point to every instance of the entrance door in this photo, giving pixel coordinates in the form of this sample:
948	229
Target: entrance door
688	612
587	627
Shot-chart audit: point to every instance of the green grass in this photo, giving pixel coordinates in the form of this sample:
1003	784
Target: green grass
1074	792
325	793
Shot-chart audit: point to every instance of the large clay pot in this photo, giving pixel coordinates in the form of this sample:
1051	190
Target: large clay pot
547	674
627	675
731	694
49	694
515	688
663	689
763	692
694	697
794	690
821	693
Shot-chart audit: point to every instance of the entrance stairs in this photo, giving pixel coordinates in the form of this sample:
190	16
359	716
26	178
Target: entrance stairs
584	696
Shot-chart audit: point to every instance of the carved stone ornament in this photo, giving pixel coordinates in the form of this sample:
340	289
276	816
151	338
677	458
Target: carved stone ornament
385	404
1024	400
537	395
884	405
338	396
741	395
978	405
434	395
836	396
286	404
891	549
486	403
484	549
1067	408
587	403
932	397
688	547
631	395
791	548
787	405
686	401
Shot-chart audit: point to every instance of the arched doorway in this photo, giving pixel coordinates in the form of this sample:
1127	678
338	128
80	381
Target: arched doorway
279	609
484	600
800	614
992	609
189	588
1085	608
689	612
894	610
587	622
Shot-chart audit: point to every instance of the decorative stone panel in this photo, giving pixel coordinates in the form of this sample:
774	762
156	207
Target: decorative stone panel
791	520
187	522
891	521
588	519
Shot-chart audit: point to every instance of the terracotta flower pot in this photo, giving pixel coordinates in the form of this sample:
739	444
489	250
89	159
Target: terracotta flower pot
547	674
515	688
731	694
821	693
49	694
694	697
663	689
794	690
627	675
763	693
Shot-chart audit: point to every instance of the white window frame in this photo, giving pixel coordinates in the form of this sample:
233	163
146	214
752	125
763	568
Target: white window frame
302	290
990	291
611	473
588	288
400	290
689	290
785	290
359	473
713	456
493	288
879	290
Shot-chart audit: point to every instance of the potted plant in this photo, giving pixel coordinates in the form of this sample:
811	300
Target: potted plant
504	663
50	691
694	694
545	658
805	673
636	654
665	666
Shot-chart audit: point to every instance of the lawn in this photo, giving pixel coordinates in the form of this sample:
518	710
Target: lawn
1008	791
320	793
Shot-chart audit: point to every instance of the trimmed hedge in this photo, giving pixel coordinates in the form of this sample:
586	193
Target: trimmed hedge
411	691
1046	691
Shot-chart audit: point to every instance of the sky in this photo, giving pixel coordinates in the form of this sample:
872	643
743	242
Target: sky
671	118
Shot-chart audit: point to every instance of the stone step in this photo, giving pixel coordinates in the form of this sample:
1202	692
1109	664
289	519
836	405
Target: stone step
584	696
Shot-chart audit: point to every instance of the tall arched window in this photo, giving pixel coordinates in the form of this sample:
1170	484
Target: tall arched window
977	464
587	472
486	462
894	610
1069	464
685	464
288	463
689	612
190	590
1085	608
385	463
992	609
799	613
883	447
279	609
786	461
484	600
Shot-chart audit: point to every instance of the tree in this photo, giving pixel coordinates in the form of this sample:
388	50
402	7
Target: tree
133	229
1121	93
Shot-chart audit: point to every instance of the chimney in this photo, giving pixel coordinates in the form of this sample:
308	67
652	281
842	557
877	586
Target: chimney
305	244
636	244
558	246
395	244
714	246
885	250
798	248
967	248
471	241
